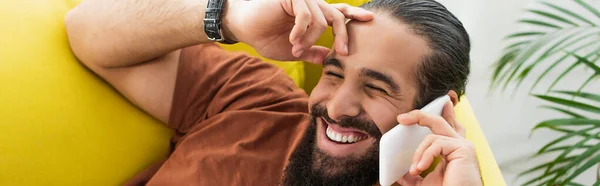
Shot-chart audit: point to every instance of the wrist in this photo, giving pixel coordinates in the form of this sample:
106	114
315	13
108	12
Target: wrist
228	20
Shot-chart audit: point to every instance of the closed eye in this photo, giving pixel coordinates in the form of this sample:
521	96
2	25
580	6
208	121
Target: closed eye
373	87
328	73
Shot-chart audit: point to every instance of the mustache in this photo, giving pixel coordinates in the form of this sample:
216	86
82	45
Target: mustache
359	123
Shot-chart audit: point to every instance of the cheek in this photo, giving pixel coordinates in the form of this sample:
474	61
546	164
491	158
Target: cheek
383	114
319	93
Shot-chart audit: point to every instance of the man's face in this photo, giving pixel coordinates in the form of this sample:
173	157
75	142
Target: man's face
358	99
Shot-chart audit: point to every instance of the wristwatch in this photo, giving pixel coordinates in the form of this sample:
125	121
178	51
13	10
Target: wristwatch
212	21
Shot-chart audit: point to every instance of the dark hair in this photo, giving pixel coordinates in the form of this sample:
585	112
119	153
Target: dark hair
447	66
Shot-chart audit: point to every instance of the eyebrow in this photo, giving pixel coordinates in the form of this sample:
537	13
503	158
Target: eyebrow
332	62
380	77
389	81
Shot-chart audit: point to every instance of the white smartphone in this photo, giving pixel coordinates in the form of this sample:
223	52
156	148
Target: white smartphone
398	145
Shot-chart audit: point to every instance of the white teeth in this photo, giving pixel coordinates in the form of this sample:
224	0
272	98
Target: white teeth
338	137
351	139
332	135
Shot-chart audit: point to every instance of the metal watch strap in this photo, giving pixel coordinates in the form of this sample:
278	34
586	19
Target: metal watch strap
212	21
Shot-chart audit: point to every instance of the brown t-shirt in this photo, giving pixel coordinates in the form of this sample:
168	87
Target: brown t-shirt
237	119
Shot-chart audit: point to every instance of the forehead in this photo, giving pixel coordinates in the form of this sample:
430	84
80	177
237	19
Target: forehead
385	45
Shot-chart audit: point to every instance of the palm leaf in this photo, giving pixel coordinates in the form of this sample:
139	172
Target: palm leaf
586	62
517	54
597	182
566	147
586	83
593	161
568	12
572	114
553	16
568	122
577	36
542	166
558	45
517	44
540	23
589	8
577	160
521	34
586	95
526	54
567	131
570	103
563	138
577	63
552	50
574	184
565	56
504	60
561	33
541	178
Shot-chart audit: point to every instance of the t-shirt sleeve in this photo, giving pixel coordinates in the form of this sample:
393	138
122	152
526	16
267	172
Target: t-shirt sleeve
211	80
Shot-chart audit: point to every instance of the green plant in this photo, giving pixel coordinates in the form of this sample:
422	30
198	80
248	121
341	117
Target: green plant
563	39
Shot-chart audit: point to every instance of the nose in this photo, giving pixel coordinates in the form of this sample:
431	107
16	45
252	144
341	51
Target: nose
343	103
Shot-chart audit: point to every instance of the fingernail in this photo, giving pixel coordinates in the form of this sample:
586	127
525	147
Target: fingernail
299	53
346	48
421	164
412	167
401	116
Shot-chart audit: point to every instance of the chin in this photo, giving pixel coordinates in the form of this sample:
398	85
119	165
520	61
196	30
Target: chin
322	158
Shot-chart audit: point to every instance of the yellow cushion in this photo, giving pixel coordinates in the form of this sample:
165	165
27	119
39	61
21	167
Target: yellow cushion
61	125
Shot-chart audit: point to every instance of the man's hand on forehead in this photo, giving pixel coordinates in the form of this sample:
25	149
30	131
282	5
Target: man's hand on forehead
288	29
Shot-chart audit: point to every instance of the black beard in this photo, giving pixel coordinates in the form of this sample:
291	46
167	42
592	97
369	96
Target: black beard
309	166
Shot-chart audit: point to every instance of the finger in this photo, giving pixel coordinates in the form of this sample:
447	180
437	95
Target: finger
410	180
420	149
439	147
424	145
440	168
338	22
435	123
352	12
303	19
449	115
315	29
315	54
436	176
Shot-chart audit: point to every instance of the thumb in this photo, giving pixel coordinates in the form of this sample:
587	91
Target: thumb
315	54
410	180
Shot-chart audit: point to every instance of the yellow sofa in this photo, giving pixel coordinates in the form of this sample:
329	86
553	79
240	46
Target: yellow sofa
62	125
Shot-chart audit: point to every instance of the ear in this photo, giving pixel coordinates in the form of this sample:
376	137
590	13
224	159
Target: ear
453	97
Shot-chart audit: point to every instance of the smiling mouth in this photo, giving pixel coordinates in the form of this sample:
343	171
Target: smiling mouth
343	138
340	135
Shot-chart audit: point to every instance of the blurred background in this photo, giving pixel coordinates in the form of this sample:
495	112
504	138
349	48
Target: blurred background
508	116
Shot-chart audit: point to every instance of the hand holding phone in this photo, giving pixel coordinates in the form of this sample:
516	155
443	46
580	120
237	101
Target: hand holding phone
421	136
397	146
